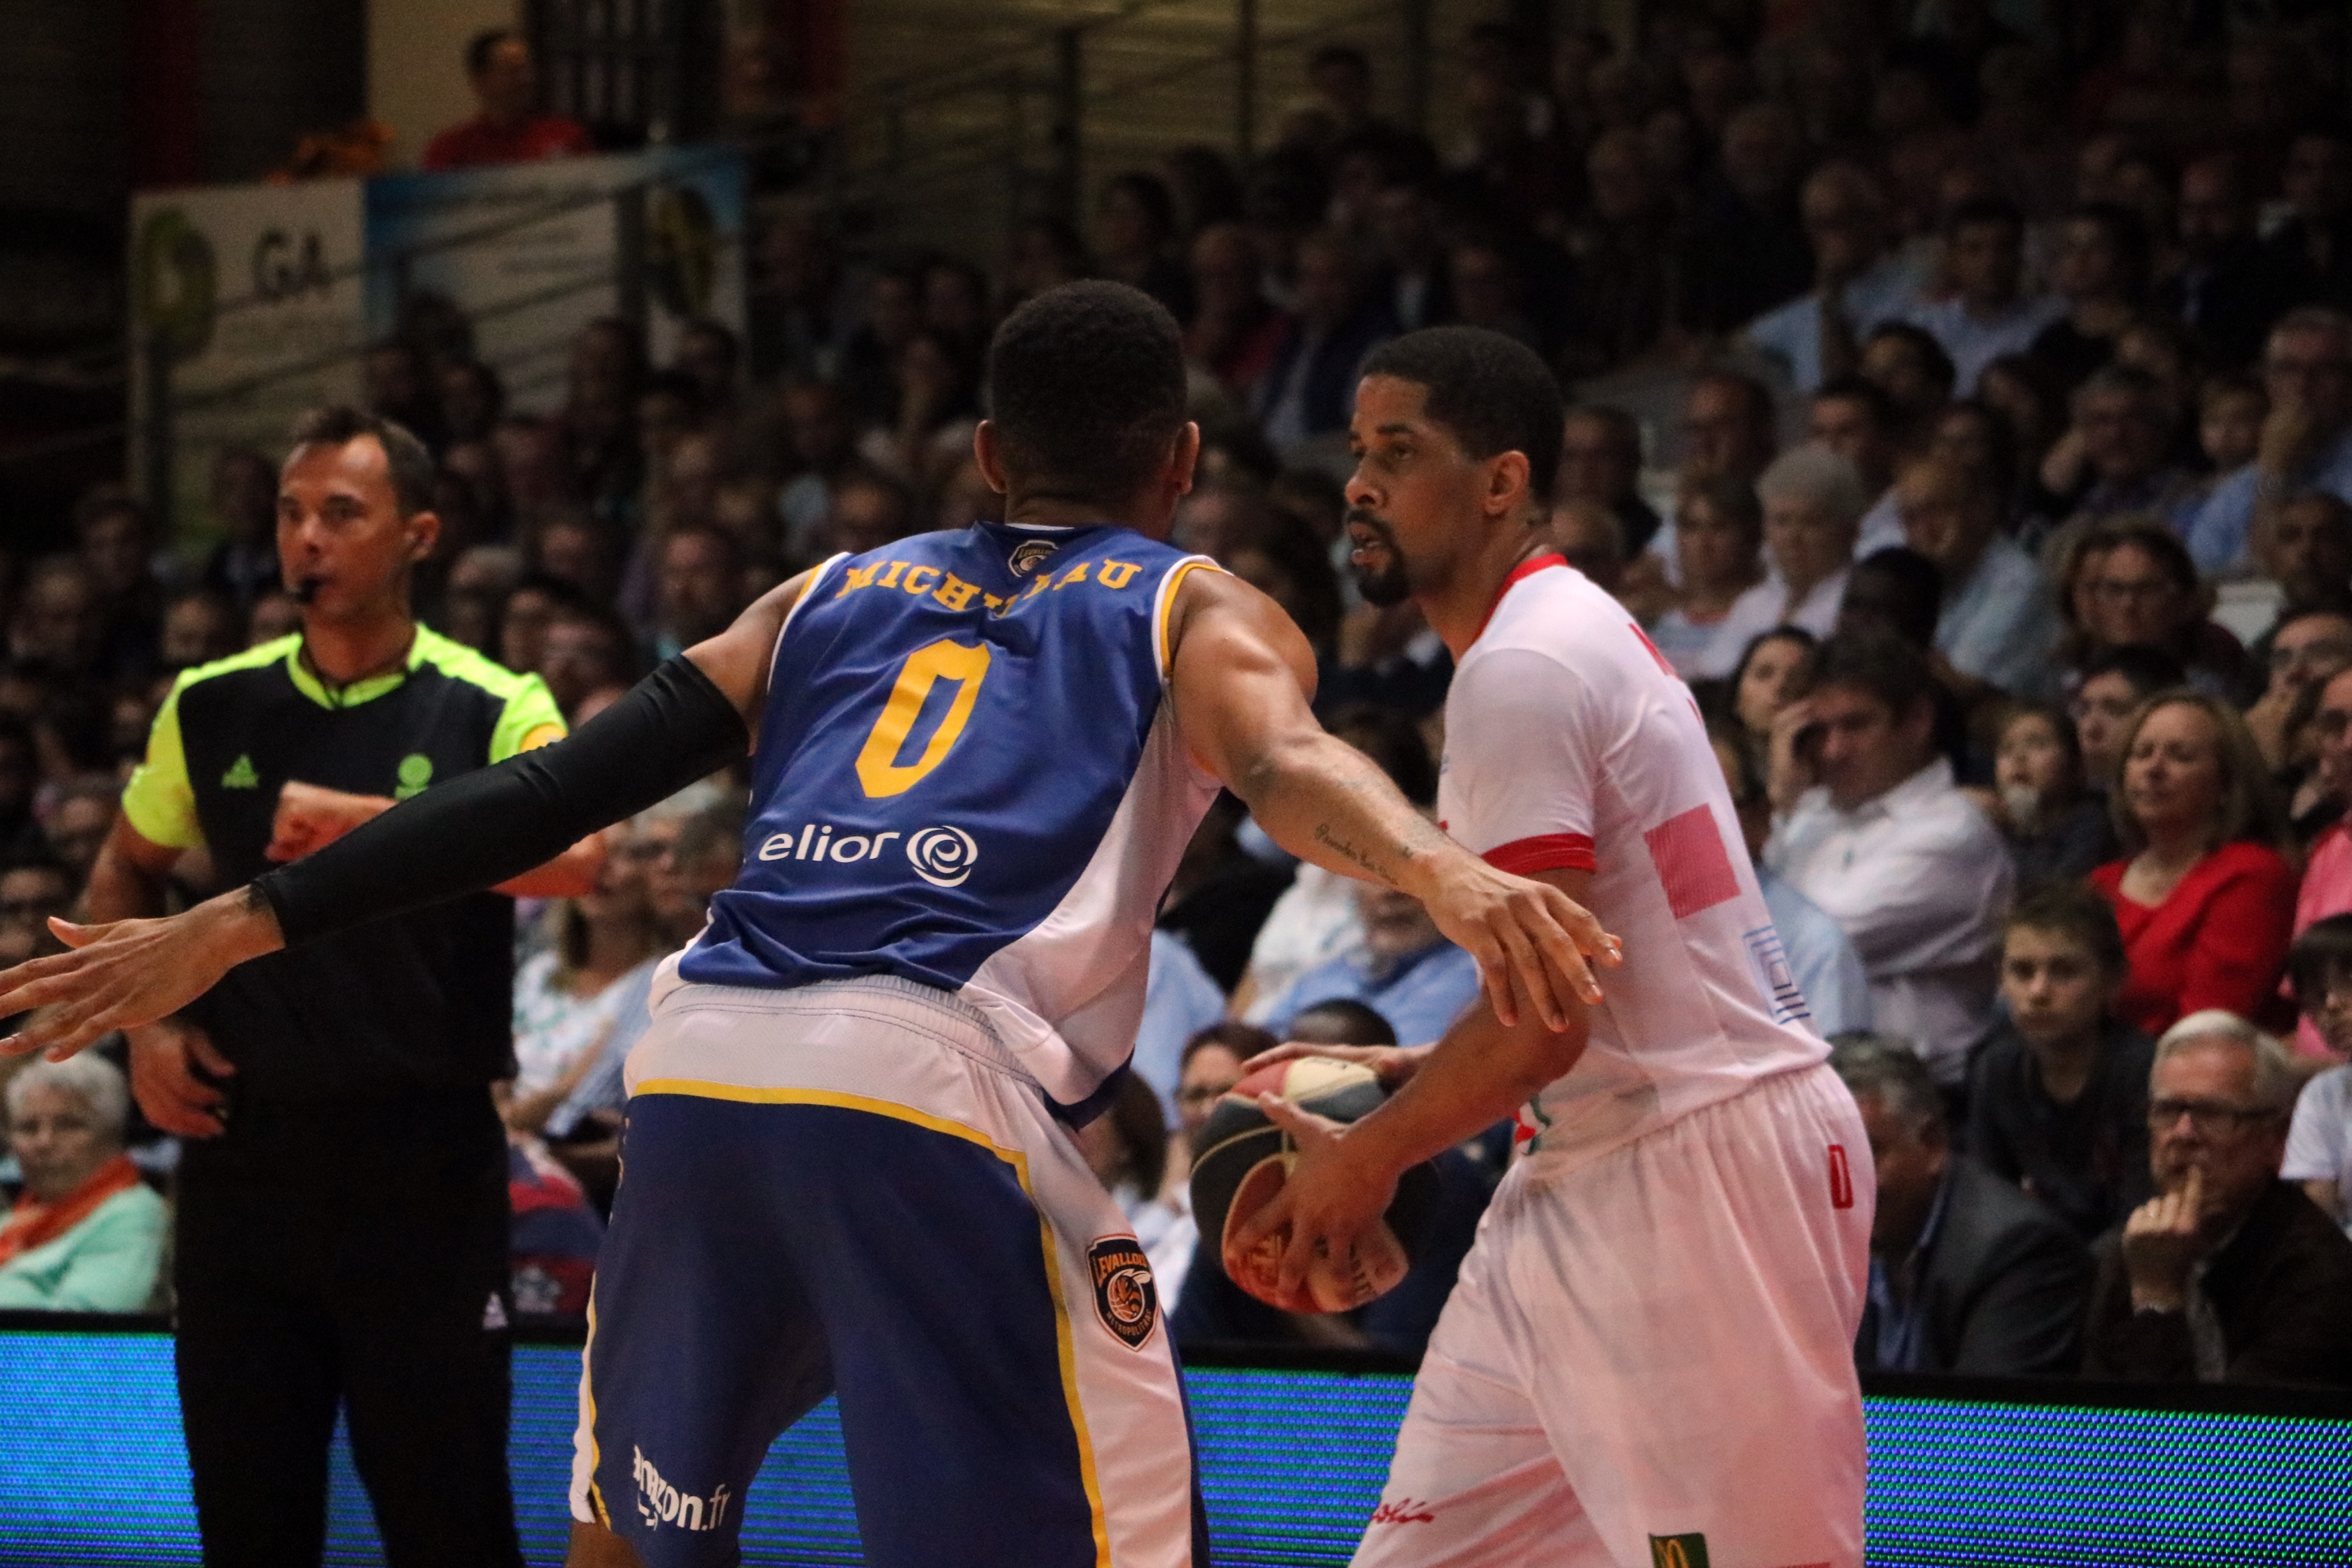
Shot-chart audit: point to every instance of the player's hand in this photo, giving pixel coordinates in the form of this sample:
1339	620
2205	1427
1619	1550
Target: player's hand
2161	1241
163	1060
1329	1207
1527	935
130	973
1393	1065
310	817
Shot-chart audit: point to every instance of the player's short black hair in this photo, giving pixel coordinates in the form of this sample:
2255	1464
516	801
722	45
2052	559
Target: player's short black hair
1887	1067
338	424
1086	390
2320	956
1923	346
1494	393
2145	670
2074	909
1901	592
478	47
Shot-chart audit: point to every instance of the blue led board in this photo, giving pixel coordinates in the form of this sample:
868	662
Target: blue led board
92	1472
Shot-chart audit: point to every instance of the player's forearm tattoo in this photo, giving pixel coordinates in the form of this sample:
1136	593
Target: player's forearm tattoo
1351	855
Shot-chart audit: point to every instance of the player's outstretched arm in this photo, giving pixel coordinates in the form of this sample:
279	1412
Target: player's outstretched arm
1480	1073
1240	678
689	719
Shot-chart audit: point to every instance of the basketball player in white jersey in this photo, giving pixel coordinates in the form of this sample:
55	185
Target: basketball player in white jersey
1648	1358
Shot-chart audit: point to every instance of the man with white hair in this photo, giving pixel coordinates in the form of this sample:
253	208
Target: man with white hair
2229	1274
1813	501
86	1235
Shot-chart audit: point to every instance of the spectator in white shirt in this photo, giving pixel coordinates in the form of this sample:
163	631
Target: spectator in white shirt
1821	959
1987	315
1884	842
1859	280
1999	623
1718	541
1813	502
2319	1140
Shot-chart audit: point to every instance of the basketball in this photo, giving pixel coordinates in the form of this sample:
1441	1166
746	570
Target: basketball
1245	1158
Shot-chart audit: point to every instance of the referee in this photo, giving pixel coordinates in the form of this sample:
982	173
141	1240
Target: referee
342	1232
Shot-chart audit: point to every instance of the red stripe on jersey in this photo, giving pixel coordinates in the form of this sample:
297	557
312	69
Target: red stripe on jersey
1519	573
1663	663
1692	863
1547	852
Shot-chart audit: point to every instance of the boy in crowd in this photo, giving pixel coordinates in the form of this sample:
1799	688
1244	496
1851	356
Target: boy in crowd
2319	1139
2058	1101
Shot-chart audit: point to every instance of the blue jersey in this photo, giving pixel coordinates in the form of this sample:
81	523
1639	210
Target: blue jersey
968	775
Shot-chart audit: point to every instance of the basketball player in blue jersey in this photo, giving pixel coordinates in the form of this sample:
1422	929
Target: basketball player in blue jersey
976	758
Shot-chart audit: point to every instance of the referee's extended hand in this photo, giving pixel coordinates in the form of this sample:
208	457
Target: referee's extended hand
130	973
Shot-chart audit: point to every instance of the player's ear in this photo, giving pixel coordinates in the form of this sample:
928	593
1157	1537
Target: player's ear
424	533
1506	483
1183	458
989	454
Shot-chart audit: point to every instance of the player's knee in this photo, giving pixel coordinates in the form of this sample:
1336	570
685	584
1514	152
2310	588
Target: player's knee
593	1546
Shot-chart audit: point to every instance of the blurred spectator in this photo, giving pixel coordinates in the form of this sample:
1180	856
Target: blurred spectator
245	503
1211	1065
1135	227
1589	539
85	1235
2306	651
1749	244
1601	461
198	626
2205	901
2319	1139
397	379
1894	593
2314	246
274	614
473	400
1178	1001
1407	972
711	358
1405	228
869	511
507	127
698	589
1489	290
868	372
60	619
523	620
2307	441
1719	539
1966	1273
33	888
583	657
1235	331
1910	367
1127	1149
1828	972
2229	1275
1858	282
596	432
565	999
1769	677
2115	459
2101	273
2230	288
2325	890
2142	592
1221	895
821	439
2000	623
76	818
1987	313
1624	292
1882	838
1852	417
938	405
2058	1096
1310	387
1045	251
2056	830
2307	552
479	581
1812	503
1973	436
1729	426
2113	686
576	549
803	305
1340	1022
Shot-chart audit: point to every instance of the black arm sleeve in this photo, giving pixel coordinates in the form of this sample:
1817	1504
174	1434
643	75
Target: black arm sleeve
483	827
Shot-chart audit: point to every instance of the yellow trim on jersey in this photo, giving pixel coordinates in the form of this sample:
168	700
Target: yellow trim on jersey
158	803
1164	611
1065	1344
588	1398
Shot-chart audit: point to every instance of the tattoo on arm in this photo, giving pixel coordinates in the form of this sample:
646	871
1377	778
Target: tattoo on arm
1351	855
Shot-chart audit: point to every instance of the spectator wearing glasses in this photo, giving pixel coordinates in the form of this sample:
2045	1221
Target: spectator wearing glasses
1968	1274
2307	442
2306	653
2058	1096
2204	898
2319	1138
2139	589
2229	1274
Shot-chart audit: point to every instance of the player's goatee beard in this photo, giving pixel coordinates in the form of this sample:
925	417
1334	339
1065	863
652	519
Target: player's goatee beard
1386	585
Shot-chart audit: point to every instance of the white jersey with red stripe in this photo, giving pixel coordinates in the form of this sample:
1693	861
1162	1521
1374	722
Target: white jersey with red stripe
1571	744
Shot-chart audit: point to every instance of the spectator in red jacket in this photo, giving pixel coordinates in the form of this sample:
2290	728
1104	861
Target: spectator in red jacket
509	128
2206	904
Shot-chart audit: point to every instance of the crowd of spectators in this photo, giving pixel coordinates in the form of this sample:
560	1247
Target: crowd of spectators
2004	534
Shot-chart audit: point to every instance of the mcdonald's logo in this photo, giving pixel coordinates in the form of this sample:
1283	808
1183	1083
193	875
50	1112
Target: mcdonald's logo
1678	1550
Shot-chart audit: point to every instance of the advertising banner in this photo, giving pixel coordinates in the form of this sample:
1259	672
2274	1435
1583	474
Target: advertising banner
247	301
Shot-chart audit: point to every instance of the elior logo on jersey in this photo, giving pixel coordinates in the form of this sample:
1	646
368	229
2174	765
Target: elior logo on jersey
942	856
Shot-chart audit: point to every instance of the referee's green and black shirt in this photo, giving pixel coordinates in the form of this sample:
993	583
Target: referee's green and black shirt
420	1002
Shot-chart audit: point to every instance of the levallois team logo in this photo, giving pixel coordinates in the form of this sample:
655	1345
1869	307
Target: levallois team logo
1125	1297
